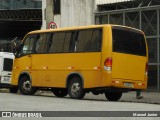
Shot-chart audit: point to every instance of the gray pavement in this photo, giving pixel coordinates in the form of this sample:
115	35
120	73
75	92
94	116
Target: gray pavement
148	97
46	101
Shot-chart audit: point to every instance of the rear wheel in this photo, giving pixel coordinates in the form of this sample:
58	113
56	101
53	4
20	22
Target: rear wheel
25	86
75	88
13	89
113	96
60	92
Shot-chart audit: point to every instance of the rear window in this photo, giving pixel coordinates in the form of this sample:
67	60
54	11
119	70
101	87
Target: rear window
8	63
128	41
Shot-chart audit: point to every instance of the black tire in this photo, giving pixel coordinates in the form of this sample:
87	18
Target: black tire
13	89
60	92
75	88
25	86
113	96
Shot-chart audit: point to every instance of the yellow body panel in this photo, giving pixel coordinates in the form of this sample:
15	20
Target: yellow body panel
128	67
52	70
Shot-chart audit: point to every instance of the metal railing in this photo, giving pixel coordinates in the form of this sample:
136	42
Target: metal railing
22	14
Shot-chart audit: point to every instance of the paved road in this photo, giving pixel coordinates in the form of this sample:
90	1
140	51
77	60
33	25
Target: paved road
51	103
48	102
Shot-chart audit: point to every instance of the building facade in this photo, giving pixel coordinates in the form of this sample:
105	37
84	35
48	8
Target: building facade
69	13
140	14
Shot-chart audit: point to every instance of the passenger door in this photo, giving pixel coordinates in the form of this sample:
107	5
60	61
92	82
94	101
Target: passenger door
25	58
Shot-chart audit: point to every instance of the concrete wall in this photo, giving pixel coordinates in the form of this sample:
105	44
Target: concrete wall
43	14
73	13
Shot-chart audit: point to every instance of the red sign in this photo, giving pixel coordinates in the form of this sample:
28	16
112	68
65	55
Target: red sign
52	25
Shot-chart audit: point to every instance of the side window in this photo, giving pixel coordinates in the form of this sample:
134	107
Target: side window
96	40
28	45
8	63
62	42
68	42
84	41
41	43
57	42
89	40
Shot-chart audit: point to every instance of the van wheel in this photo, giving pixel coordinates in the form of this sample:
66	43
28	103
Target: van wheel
75	88
60	92
113	96
25	86
13	89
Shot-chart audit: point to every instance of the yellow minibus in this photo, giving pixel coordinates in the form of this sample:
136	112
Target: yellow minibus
109	59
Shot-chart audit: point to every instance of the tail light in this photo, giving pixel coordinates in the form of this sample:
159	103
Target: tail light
108	64
146	69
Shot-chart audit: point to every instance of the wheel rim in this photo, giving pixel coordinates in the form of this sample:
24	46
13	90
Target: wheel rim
75	88
27	85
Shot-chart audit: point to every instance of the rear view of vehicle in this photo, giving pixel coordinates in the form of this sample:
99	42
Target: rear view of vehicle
6	63
128	63
129	58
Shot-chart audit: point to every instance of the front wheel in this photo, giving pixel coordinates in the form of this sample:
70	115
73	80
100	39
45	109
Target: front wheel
75	88
25	86
113	96
60	92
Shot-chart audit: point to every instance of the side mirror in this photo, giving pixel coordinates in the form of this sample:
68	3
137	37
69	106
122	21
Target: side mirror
17	46
17	49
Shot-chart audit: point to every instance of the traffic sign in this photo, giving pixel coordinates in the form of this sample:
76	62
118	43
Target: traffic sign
52	25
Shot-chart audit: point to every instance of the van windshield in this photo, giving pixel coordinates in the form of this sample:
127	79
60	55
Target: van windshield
129	41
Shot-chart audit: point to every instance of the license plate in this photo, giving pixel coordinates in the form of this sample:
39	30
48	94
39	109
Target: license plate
128	85
6	79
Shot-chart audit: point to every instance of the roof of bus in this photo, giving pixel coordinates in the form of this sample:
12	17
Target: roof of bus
77	27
